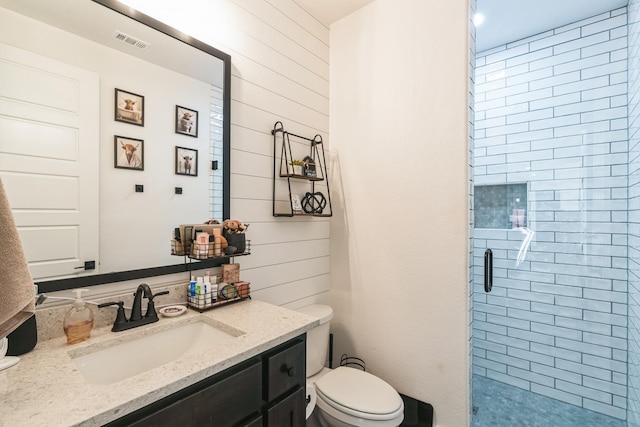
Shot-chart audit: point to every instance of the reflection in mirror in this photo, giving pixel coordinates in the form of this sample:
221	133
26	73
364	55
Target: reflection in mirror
83	218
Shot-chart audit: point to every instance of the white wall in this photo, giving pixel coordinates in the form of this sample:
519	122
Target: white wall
399	239
280	71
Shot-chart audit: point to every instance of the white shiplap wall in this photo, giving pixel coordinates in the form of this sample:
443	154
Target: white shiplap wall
280	71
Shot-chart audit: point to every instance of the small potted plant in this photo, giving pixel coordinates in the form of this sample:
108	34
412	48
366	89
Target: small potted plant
234	233
296	166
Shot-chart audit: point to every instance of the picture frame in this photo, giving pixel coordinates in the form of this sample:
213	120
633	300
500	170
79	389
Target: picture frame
128	153
129	107
186	121
186	161
296	204
309	167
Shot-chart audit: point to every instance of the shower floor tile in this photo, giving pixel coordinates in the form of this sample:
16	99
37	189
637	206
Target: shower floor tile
502	405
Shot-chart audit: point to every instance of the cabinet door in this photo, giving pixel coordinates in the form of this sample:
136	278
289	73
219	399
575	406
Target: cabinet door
223	404
290	412
286	370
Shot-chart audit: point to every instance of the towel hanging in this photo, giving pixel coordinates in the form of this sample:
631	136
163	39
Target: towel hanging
17	292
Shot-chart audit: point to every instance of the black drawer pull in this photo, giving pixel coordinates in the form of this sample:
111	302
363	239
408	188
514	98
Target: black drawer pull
290	370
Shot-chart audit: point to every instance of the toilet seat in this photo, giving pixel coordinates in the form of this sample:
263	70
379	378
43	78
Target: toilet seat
349	391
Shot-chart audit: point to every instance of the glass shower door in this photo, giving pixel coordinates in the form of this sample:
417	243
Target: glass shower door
550	165
544	329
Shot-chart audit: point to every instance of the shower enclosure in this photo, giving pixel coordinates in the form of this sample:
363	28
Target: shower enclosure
555	199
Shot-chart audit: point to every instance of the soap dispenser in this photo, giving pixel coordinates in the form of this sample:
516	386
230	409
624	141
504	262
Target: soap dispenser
79	320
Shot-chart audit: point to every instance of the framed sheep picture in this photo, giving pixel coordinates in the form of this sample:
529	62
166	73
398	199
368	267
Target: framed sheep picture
129	107
186	161
128	153
186	121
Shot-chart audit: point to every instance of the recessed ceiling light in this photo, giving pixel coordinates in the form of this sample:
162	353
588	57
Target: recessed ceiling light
478	19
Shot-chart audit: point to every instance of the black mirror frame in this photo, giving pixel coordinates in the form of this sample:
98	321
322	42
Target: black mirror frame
119	276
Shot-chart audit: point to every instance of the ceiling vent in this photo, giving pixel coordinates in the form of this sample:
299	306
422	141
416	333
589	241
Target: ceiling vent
129	40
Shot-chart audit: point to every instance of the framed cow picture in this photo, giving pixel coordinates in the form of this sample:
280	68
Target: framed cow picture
186	121
128	153
186	161
129	107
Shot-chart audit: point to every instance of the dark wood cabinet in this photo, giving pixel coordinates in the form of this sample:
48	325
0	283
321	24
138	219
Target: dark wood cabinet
285	370
285	382
289	412
265	391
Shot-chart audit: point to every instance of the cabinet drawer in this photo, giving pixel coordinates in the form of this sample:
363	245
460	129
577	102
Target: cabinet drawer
291	412
286	370
222	404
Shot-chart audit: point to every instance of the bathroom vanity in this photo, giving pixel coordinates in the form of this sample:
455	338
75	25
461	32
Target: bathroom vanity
254	378
269	387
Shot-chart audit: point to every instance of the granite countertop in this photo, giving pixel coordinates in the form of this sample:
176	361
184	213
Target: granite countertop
46	389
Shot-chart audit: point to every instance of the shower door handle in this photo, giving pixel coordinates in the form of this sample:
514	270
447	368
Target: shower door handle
488	270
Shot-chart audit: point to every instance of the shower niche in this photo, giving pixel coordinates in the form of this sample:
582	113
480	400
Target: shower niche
501	206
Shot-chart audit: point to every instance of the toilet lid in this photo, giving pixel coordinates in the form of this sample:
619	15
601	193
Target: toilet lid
358	391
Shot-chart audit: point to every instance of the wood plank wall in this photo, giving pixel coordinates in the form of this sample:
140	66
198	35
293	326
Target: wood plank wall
280	72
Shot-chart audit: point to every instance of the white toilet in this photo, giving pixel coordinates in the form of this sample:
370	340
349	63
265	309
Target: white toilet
346	396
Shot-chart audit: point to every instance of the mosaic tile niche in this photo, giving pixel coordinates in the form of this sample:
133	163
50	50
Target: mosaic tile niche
500	206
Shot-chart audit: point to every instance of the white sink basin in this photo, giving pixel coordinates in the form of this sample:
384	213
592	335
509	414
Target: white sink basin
124	360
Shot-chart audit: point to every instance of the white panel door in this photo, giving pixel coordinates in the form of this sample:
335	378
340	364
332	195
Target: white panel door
49	134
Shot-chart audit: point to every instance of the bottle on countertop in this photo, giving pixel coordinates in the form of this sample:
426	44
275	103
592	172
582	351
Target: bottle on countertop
203	244
78	321
207	288
192	286
211	282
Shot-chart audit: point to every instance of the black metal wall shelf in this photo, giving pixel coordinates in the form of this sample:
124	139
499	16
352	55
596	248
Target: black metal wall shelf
314	170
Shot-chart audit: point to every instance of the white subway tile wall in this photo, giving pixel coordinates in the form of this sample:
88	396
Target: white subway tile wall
633	389
215	150
472	149
551	111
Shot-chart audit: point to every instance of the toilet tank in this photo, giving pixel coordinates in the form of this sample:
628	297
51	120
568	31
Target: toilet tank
317	338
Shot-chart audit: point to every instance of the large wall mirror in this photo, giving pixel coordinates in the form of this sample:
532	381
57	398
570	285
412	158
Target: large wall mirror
92	103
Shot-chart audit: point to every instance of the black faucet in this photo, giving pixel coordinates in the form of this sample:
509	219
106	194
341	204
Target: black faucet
136	310
136	319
